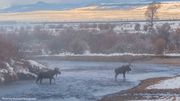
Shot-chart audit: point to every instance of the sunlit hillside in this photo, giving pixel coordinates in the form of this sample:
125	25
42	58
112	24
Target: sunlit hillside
93	13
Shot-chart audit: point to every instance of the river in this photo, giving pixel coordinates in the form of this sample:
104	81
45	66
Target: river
84	81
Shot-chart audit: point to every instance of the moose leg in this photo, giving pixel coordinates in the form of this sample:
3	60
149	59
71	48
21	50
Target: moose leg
124	75
53	79
37	80
50	79
40	80
116	76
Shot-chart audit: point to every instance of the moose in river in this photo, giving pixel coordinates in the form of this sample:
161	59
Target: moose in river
48	75
122	70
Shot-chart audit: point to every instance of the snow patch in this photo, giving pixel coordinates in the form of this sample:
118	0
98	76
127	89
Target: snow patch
35	64
87	53
100	54
162	99
3	71
10	69
172	54
167	84
2	78
25	69
26	72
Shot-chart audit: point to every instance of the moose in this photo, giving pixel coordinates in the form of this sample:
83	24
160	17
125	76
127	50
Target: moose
122	70
48	75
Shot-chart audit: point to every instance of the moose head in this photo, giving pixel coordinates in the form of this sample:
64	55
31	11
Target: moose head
57	71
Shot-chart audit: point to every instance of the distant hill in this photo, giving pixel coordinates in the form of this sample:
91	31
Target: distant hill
40	6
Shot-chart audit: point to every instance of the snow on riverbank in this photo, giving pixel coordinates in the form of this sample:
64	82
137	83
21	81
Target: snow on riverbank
162	99
35	64
17	70
172	83
112	54
98	54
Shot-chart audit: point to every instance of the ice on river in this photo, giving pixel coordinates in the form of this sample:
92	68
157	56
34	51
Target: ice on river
84	81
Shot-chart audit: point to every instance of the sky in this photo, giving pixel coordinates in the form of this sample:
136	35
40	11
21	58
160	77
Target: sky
7	3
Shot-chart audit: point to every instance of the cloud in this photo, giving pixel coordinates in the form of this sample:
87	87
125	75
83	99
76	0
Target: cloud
7	3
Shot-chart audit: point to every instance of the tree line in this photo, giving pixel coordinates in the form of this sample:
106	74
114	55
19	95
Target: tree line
159	40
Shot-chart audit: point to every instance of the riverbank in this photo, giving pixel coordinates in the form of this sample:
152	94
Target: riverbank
14	70
169	60
142	92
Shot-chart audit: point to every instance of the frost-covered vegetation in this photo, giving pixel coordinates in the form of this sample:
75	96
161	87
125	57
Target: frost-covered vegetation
12	64
19	70
105	38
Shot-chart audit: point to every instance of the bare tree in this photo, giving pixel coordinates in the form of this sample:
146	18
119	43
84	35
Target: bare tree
145	28
137	27
175	39
159	45
164	32
7	49
151	13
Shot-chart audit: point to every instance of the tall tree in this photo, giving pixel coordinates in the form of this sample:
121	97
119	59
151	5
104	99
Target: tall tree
151	13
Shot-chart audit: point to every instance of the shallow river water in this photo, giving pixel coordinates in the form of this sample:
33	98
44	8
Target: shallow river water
84	81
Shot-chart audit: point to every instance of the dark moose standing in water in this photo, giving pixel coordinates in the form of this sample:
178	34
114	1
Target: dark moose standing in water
48	75
51	73
122	70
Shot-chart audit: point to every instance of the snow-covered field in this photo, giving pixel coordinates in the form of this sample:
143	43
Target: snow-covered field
84	81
